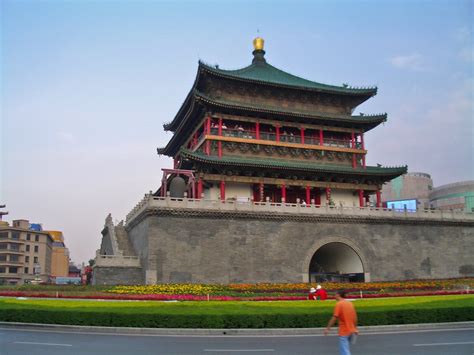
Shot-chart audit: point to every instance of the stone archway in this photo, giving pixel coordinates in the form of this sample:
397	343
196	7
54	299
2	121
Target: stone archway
335	259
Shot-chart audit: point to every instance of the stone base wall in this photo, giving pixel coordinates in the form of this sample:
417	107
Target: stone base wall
230	249
118	275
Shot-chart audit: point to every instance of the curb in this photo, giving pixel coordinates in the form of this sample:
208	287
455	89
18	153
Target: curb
231	332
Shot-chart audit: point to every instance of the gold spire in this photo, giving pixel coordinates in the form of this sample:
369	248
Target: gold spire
258	44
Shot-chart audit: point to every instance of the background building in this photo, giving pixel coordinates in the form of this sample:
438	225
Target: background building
458	196
411	186
27	253
418	188
60	258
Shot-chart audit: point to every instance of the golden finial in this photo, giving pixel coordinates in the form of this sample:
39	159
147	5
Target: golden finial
258	43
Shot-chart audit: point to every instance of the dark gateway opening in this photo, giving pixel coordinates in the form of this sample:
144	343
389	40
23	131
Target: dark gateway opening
336	262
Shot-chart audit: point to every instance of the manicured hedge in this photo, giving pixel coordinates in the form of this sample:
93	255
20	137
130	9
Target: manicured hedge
293	314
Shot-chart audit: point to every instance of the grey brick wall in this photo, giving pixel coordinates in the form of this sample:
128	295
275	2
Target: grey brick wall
185	249
118	276
196	247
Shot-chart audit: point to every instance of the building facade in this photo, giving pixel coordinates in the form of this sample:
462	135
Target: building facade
458	196
60	255
411	186
25	254
270	184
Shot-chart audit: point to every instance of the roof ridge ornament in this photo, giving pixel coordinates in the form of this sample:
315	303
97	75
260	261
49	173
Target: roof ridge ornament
258	53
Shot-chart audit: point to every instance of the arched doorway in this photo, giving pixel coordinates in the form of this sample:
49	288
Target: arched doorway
336	262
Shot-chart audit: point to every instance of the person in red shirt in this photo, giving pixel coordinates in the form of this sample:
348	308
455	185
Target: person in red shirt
345	314
321	293
312	294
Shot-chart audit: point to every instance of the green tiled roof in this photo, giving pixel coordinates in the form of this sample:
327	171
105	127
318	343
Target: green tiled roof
293	165
262	72
225	102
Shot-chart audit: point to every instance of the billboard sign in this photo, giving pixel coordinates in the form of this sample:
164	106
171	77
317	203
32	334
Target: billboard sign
402	205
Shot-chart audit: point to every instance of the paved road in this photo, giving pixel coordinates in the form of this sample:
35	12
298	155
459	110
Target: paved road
15	341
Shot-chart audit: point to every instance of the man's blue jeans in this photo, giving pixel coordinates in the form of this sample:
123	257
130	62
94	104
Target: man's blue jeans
344	348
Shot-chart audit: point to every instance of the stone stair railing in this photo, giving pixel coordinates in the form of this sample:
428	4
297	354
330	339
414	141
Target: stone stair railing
116	260
109	224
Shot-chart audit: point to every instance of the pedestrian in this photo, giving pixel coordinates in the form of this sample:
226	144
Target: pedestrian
312	294
321	293
345	314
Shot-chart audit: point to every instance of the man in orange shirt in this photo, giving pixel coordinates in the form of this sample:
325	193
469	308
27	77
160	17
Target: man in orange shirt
346	315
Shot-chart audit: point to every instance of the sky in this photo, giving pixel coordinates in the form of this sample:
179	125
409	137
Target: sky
86	87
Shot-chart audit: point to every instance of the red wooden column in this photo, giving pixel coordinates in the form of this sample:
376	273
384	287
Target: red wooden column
257	130
261	196
361	198
208	131
321	138
277	133
353	146
363	147
199	188
283	192
318	197
328	194
302	135
378	202
222	190
193	189
308	195
219	143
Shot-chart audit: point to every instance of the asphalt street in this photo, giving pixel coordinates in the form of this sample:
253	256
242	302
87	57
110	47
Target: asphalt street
15	341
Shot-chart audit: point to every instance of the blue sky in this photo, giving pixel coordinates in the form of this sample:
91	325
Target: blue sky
87	85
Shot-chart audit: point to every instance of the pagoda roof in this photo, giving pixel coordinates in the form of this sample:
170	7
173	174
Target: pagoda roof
263	73
366	121
197	100
387	172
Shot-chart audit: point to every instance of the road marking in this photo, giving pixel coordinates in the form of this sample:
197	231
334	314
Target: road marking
441	344
238	350
33	343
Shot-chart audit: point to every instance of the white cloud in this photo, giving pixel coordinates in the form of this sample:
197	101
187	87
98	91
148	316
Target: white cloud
412	61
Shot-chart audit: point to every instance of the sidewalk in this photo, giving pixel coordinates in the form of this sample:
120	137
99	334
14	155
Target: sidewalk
232	332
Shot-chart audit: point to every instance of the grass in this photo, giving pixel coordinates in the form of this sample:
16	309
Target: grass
402	310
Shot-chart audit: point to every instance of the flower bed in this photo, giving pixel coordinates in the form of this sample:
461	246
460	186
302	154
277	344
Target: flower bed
187	297
262	289
256	292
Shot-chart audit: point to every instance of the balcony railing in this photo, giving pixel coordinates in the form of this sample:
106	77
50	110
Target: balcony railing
284	137
11	262
150	201
11	240
11	275
12	250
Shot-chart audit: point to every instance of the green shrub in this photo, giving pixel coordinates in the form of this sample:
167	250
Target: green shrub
295	314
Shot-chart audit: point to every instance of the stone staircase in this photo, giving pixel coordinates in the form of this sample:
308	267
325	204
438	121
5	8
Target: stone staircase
124	244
